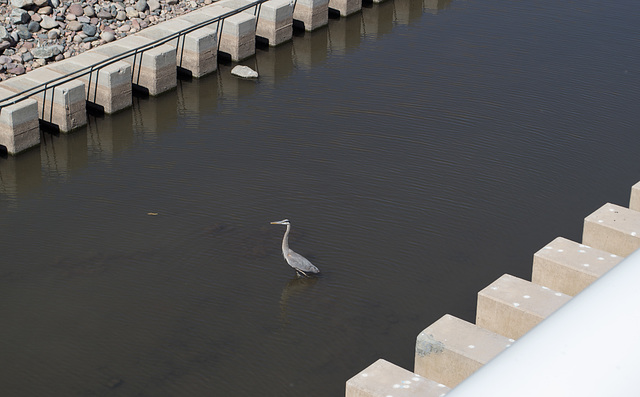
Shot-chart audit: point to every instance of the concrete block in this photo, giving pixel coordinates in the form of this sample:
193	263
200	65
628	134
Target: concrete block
196	52
634	200
109	88
275	22
511	306
313	14
569	267
275	18
382	379
238	36
613	229
63	105
154	70
346	7
19	126
451	349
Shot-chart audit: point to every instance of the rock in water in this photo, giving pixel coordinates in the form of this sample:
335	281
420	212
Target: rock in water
244	72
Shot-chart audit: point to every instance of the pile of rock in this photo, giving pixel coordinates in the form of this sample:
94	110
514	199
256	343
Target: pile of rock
36	32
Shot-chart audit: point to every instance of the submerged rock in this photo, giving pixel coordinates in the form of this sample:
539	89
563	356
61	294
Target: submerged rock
244	72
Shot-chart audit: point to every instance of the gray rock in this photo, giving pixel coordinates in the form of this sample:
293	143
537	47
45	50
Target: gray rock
18	70
53	34
46	10
27	57
45	52
4	45
121	16
48	22
90	39
108	36
33	26
19	16
76	9
4	35
153	5
131	12
4	59
244	72
89	11
14	36
36	17
74	26
141	5
23	32
55	3
103	14
89	30
41	3
84	19
21	3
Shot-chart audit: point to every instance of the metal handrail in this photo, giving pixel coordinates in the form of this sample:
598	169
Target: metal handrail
52	84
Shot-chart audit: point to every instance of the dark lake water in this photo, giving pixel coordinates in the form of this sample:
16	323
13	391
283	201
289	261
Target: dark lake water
421	149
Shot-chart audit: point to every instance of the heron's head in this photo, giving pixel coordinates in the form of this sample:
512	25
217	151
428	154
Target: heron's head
282	222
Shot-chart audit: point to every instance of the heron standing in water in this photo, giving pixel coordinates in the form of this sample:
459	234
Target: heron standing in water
301	264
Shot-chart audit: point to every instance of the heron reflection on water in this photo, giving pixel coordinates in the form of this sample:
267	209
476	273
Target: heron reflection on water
301	264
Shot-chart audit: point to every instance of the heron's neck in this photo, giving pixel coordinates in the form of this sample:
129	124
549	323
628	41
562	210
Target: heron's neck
285	240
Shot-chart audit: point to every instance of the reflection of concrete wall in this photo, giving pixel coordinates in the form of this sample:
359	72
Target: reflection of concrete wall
377	20
434	5
63	153
20	174
153	115
344	34
109	135
275	64
198	96
408	11
310	49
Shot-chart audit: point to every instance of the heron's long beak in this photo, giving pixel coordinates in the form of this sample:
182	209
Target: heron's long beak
282	222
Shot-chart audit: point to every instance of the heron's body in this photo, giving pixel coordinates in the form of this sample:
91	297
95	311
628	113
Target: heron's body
294	259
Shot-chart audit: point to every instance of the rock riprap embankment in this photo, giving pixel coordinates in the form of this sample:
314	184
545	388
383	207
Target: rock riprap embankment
36	32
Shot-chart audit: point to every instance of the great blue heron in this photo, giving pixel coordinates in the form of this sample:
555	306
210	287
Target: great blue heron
294	259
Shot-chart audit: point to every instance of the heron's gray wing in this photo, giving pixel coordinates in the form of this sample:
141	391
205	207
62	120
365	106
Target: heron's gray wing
298	261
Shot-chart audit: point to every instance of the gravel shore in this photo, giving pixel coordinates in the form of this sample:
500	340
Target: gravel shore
34	33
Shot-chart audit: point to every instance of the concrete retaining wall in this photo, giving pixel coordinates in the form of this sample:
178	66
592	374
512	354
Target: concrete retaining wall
153	71
451	350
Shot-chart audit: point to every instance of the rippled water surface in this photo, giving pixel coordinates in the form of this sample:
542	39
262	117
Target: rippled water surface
420	149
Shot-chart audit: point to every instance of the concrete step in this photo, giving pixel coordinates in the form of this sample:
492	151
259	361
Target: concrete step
511	306
19	127
383	379
196	52
569	267
451	349
109	88
612	228
63	106
634	201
